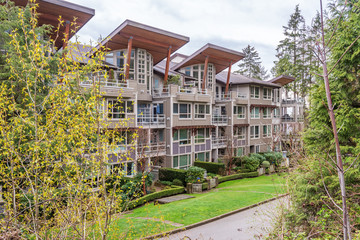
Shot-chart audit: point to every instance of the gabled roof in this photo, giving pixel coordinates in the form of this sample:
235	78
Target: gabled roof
219	56
154	40
282	80
50	10
237	79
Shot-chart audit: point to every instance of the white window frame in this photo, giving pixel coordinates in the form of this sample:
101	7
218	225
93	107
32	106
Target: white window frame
240	114
266	131
124	168
124	108
267	93
276	113
253	94
257	148
268	113
206	156
201	114
177	158
240	132
206	135
182	141
253	114
186	115
253	134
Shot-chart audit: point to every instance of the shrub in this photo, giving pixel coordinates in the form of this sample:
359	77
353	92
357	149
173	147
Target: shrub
238	176
243	170
260	157
238	161
216	168
213	175
278	157
204	186
168	183
195	174
252	163
156	195
265	164
169	174
177	182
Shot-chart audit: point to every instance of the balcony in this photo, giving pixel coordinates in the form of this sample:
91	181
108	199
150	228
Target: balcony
106	82
152	149
193	94
161	92
222	97
151	121
220	120
219	142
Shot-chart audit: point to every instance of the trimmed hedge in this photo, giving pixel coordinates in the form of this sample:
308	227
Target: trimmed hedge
243	170
211	167
170	174
238	176
156	195
204	186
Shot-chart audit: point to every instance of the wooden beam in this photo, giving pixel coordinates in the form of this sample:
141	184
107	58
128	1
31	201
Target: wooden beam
228	80
205	73
127	66
145	40
66	35
167	66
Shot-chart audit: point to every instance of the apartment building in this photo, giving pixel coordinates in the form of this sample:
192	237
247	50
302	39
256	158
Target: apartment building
180	108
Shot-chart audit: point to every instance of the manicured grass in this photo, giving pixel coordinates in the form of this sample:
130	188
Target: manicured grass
227	197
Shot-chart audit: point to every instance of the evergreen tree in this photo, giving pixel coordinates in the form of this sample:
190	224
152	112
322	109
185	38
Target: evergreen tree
251	65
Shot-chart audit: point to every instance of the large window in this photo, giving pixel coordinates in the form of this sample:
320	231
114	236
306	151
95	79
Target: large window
201	134
240	112
197	72
240	151
126	168
255	113
202	156
266	113
201	110
183	109
276	129
255	92
118	109
183	136
120	141
267	93
182	161
254	132
276	113
276	95
266	131
240	132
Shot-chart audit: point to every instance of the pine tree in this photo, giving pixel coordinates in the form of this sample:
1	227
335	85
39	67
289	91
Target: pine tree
251	65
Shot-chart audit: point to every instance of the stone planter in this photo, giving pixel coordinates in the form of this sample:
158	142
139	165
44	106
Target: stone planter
212	183
197	188
272	168
261	171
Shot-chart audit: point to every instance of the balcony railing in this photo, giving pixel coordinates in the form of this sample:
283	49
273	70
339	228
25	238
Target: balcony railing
202	91
148	120
106	82
155	148
219	141
185	90
161	92
241	95
220	119
223	97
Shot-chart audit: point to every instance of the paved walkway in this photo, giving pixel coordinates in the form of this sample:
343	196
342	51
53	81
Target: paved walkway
254	223
173	198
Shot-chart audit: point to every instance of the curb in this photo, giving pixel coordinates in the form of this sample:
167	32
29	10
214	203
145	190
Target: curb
212	219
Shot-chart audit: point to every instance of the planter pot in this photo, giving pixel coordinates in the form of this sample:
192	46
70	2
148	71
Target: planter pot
212	183
261	171
272	168
197	187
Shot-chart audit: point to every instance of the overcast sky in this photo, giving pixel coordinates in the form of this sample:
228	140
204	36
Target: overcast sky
229	23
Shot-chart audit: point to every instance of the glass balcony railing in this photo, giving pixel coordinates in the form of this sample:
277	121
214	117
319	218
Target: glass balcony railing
151	120
220	119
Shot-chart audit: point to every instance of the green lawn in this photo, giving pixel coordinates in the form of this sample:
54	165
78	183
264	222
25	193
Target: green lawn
228	196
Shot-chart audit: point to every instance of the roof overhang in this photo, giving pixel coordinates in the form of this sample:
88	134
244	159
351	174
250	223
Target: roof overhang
50	10
155	41
219	56
282	80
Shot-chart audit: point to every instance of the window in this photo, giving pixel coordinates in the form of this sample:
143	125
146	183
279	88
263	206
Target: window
210	75
266	113
255	92
240	132
127	168
254	132
257	148
267	93
197	71
240	151
266	131
201	110
182	161
276	95
202	156
255	113
120	141
201	134
183	136
239	111
184	110
276	129
117	109
276	113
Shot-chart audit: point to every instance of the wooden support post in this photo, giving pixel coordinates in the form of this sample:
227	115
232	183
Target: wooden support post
167	66
205	73
66	35
228	80
128	58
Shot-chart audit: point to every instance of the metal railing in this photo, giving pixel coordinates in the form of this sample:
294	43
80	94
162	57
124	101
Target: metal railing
161	92
154	148
149	120
220	119
219	141
202	91
106	82
185	90
223	97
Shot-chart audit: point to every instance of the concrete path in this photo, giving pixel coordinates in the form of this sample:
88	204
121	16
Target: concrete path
254	223
173	198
